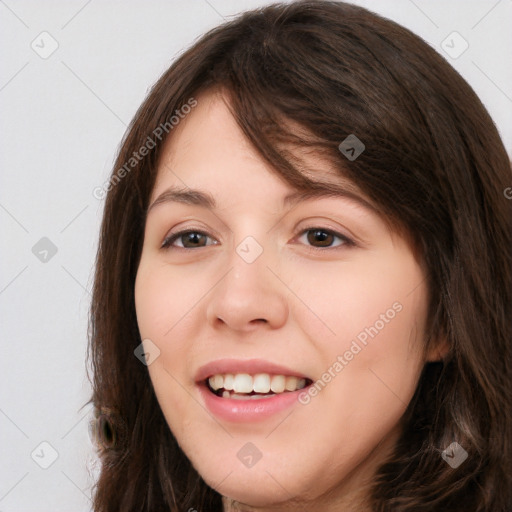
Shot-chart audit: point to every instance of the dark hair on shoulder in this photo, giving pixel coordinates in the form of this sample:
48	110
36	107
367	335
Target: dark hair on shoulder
436	168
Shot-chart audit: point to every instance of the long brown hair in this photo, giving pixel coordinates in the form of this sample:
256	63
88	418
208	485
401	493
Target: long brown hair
437	169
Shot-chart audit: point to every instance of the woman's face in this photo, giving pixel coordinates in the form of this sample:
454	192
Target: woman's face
243	286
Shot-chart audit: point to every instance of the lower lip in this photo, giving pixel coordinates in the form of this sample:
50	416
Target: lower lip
246	411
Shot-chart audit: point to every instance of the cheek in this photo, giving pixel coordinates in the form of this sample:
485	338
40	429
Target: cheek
372	353
379	302
167	300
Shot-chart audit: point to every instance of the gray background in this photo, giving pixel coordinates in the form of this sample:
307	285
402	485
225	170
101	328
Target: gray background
63	117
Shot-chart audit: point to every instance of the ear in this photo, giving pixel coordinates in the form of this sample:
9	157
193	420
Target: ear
438	350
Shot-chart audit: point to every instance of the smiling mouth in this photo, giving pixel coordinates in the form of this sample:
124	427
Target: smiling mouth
243	386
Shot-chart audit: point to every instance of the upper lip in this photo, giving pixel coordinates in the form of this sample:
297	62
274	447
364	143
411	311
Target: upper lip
250	366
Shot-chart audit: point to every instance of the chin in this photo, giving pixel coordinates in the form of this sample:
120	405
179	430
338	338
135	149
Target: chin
268	483
257	489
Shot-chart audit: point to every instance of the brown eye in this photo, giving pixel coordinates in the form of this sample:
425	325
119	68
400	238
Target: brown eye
325	238
187	240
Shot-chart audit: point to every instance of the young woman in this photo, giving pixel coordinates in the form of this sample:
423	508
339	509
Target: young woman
303	289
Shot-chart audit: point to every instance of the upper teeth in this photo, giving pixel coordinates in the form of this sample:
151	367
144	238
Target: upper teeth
259	383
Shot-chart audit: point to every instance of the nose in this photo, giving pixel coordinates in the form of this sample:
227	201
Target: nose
248	296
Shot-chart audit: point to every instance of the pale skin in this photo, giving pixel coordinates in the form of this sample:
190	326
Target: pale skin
299	304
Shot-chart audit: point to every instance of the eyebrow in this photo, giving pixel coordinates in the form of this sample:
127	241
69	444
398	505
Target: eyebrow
206	200
326	190
185	196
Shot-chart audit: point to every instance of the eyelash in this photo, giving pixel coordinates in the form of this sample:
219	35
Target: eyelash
346	242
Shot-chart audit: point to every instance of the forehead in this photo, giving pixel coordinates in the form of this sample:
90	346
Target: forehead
208	149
